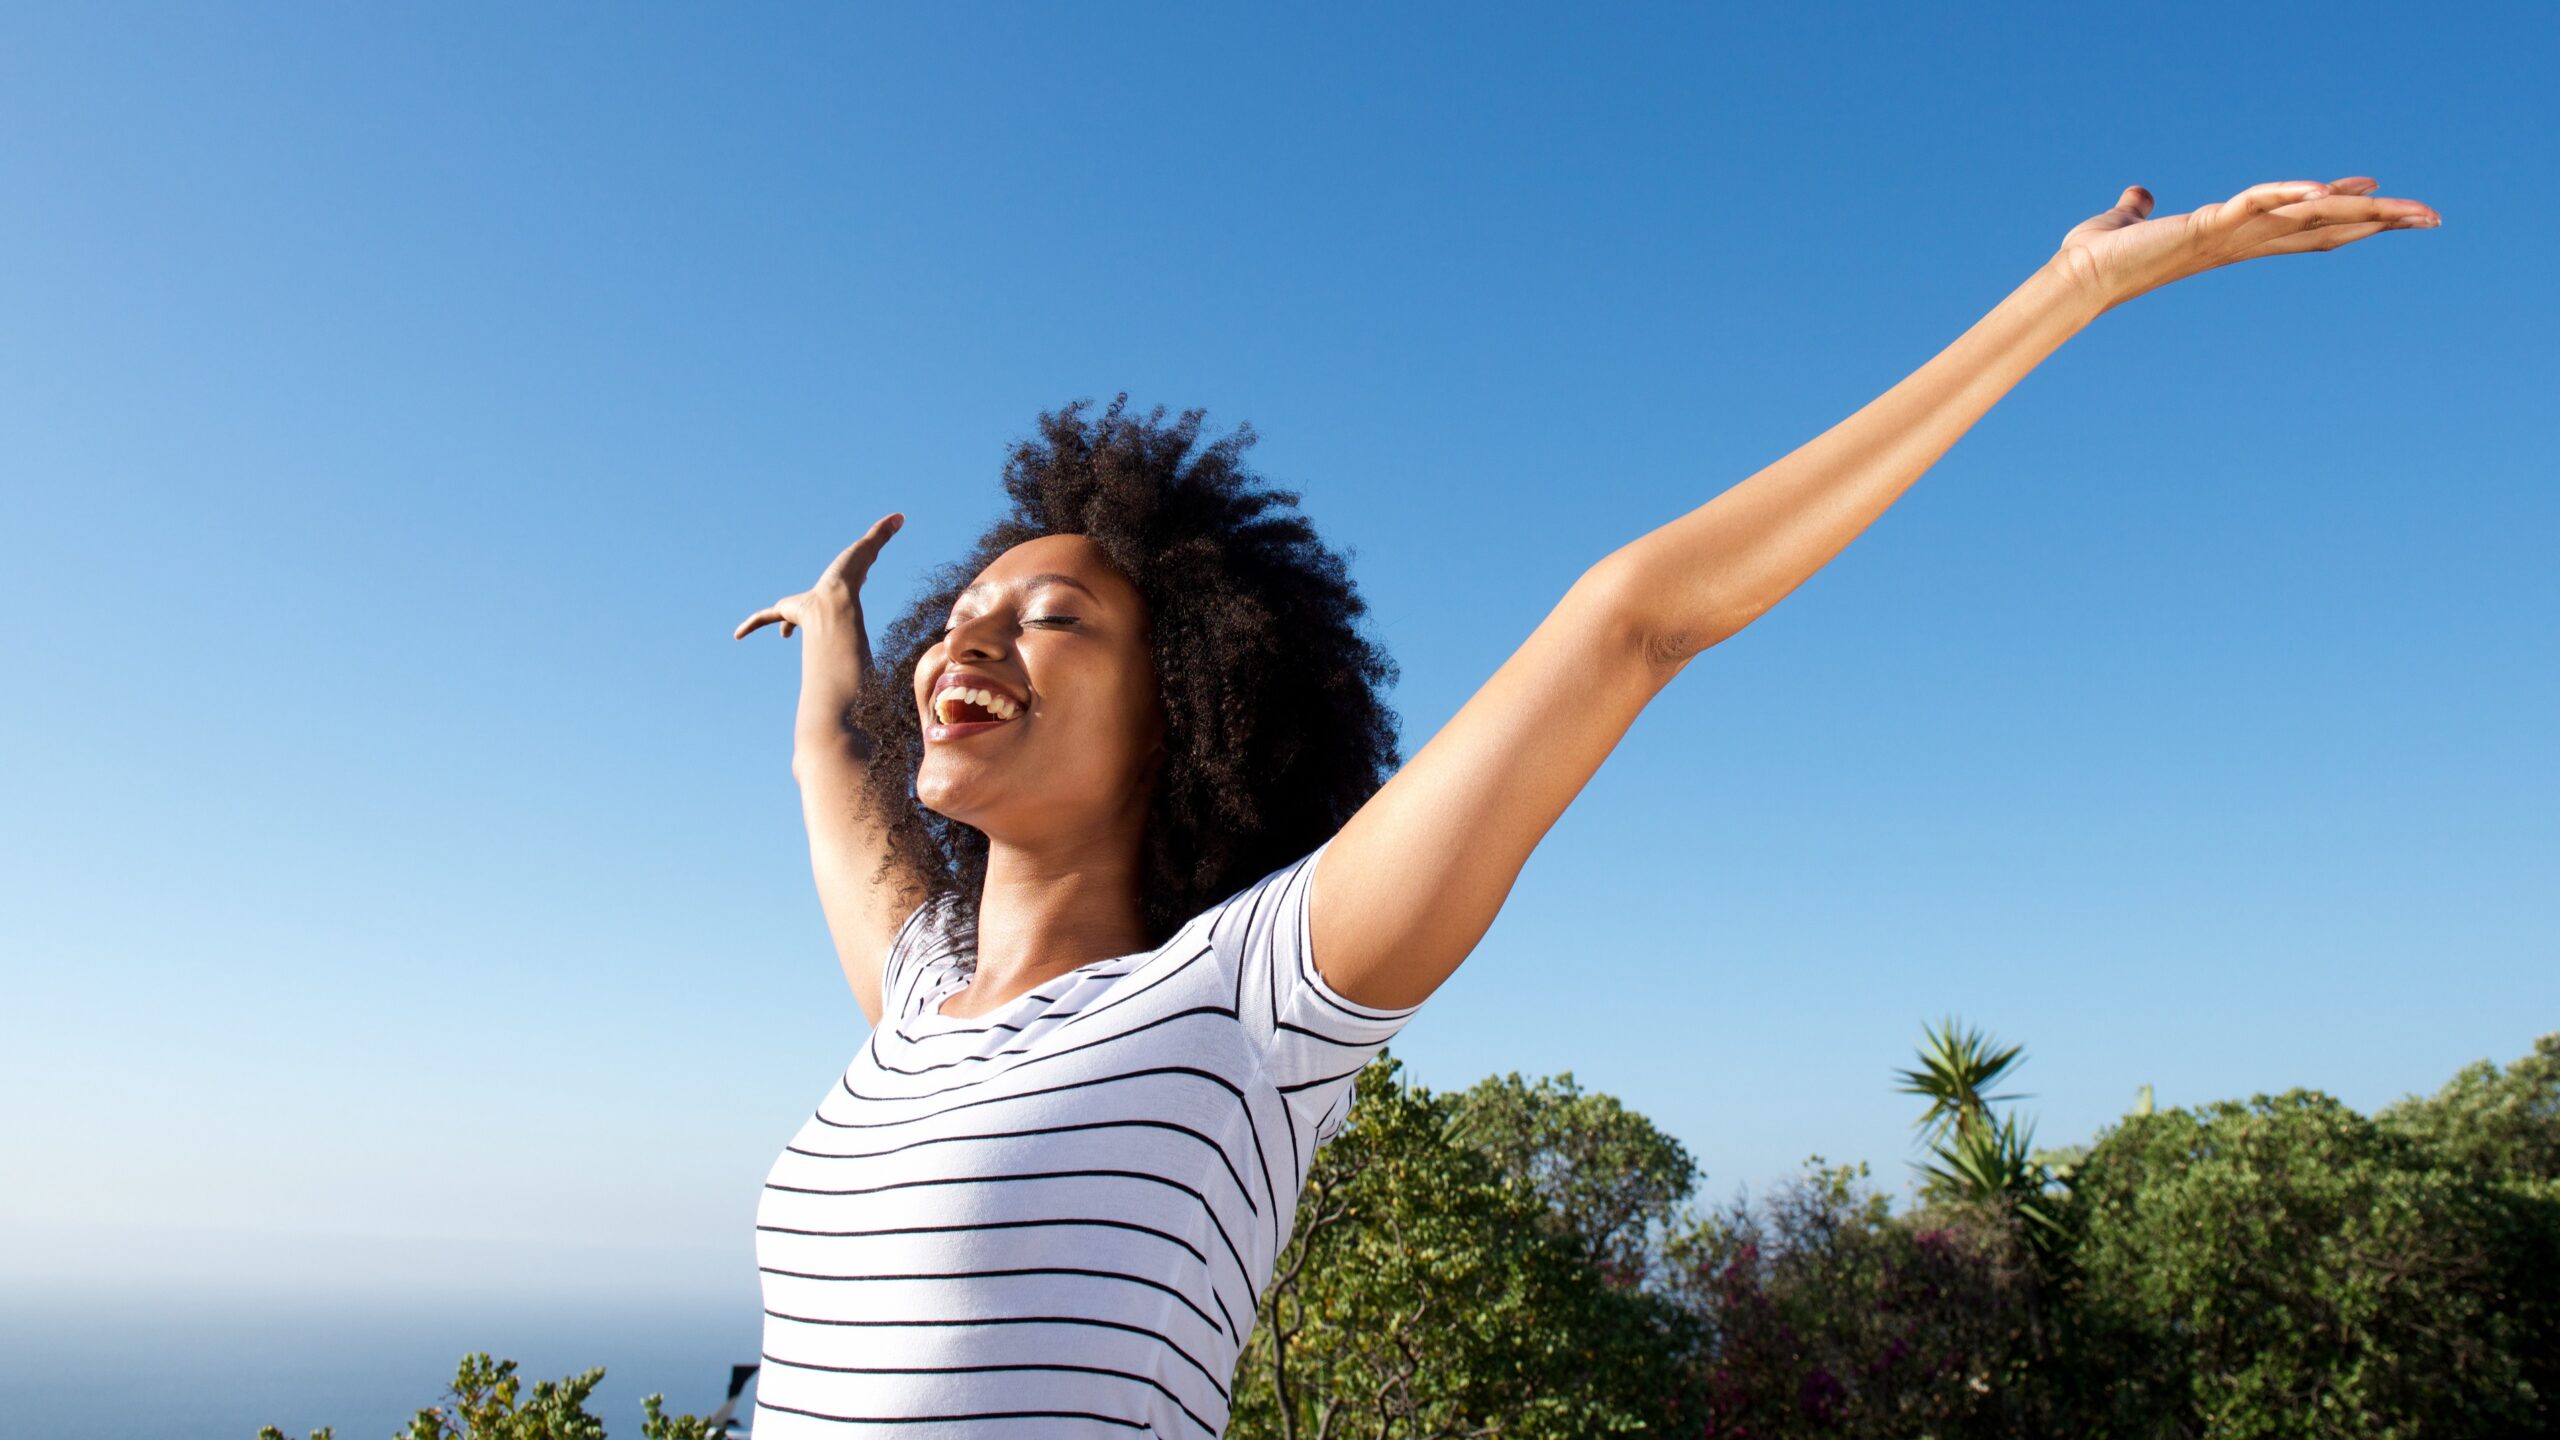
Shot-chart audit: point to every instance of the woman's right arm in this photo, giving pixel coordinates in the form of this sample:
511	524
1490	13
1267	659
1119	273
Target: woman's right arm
830	759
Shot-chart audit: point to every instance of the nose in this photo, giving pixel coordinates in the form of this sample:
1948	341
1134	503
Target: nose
977	638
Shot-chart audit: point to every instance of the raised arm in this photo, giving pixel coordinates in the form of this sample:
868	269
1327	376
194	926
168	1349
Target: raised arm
1412	882
847	841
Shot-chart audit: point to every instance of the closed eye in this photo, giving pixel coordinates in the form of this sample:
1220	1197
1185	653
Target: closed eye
1035	620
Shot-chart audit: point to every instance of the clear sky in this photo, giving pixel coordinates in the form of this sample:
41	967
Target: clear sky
399	406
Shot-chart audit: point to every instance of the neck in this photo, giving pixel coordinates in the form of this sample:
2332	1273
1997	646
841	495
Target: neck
1049	907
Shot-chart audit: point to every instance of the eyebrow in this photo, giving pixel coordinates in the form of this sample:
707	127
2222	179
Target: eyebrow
1033	582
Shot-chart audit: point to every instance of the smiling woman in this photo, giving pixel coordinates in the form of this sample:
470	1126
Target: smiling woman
1113	859
1064	842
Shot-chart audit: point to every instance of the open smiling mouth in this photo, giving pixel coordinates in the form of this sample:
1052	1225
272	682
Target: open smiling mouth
960	710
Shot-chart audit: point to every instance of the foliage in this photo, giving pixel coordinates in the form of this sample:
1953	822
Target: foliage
1603	1175
1519	1260
1982	1159
2289	1268
1957	1064
1426	1292
2491	1122
1826	1314
486	1402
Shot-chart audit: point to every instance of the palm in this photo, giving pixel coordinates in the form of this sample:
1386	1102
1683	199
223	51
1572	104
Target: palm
2127	251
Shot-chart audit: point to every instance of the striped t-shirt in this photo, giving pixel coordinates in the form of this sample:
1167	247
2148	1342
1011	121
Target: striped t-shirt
1053	1219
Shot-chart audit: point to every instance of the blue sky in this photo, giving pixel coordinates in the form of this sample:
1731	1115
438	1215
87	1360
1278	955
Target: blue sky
400	405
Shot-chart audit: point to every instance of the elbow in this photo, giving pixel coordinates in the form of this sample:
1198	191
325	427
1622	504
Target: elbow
1659	622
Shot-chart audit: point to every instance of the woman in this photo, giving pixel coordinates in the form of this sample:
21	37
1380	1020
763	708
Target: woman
1148	907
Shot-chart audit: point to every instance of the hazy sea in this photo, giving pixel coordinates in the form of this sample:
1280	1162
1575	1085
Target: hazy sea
213	1367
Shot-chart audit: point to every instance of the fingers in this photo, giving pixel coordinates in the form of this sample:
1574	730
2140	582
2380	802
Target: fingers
2319	238
2259	199
785	612
2359	209
2320	217
850	566
2348	213
2338	220
2330	236
854	563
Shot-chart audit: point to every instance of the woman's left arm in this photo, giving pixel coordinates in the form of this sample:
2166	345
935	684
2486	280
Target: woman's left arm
1415	878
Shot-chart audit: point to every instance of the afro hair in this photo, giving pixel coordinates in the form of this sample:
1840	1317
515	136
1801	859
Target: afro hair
1276	729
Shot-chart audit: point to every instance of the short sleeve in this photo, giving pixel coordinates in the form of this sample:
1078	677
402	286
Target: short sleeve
1313	1040
933	932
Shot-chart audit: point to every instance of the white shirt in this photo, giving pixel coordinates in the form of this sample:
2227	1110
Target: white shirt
1053	1219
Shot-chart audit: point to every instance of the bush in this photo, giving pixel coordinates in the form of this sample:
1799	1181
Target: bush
1826	1314
2289	1268
2505	1124
488	1403
1429	1290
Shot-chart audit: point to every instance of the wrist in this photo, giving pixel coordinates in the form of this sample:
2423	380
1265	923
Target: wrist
2070	286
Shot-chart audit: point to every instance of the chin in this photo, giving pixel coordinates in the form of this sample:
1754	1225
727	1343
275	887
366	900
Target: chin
946	795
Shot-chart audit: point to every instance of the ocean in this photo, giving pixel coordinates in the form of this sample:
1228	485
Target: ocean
216	1367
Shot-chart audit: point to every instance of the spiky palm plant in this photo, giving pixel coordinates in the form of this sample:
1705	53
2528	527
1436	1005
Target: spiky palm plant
1958	1064
1979	1156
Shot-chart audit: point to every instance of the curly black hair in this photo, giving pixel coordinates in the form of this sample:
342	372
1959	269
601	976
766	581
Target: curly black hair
1276	731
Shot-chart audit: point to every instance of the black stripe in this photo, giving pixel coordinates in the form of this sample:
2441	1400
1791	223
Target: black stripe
1320	1035
1261	1157
1187	1247
977	1029
1320	1080
1270	972
1335	1110
1123	997
1079	975
1298	1156
1215	1223
1041	1130
1205	1317
1165	1341
1026	1050
1148	1381
1214	1146
1213	1077
763	1404
1221	1081
1223	922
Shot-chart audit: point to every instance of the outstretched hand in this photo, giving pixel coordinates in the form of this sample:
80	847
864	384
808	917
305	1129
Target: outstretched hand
837	595
2127	252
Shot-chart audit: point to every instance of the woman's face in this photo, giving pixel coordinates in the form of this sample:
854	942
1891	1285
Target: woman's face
1063	727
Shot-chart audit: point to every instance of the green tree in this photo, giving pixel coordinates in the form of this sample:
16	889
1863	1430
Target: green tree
1424	1293
2289	1268
1603	1176
2498	1122
487	1402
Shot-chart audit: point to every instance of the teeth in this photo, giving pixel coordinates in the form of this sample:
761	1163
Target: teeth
1002	706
